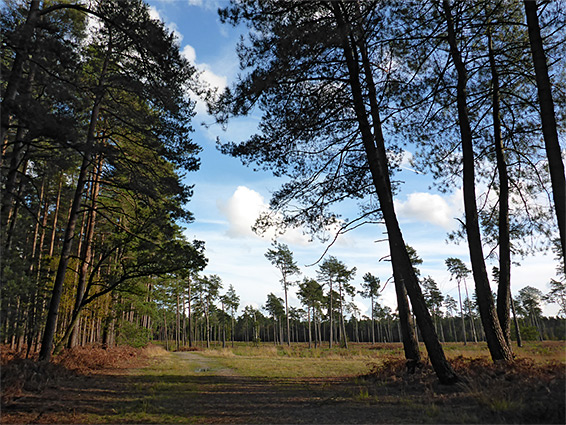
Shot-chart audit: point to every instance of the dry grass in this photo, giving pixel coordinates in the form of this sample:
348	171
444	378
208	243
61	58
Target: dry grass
524	391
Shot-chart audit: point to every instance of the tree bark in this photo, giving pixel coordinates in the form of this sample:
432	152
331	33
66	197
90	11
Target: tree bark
495	339
548	119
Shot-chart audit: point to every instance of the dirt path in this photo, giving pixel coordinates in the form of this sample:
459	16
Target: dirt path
188	387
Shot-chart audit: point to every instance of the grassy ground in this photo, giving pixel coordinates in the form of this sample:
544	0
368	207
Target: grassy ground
268	384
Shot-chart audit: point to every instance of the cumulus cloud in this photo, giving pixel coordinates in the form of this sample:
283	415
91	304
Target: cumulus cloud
212	80
430	208
242	210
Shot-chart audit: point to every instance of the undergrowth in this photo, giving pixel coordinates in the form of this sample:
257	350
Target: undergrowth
522	391
20	375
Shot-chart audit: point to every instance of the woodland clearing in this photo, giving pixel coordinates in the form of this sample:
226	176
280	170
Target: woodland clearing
268	384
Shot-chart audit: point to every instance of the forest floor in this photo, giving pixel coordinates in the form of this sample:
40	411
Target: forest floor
218	386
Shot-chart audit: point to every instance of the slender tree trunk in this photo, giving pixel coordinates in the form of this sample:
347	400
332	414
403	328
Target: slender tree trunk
472	325
403	272
342	324
184	315
287	314
87	251
504	286
548	119
223	327
190	314
372	322
517	330
165	330
177	324
377	159
309	320
495	339
56	215
462	315
51	322
330	317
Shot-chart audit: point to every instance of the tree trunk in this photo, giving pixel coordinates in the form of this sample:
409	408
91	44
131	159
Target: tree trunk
372	322
504	286
402	269
56	215
517	330
342	324
87	251
548	119
330	317
495	339
51	322
287	315
190	314
177	324
473	326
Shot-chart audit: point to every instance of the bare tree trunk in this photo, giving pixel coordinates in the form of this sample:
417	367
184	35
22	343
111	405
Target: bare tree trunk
374	145
165	330
51	322
177	325
517	330
287	315
330	317
56	215
87	251
462	314
504	286
473	326
498	348
549	128
190	313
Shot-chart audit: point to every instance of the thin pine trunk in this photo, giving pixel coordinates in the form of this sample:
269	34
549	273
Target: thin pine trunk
51	322
498	347
548	119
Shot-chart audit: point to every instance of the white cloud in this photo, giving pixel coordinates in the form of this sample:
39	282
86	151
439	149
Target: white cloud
205	4
189	53
206	75
429	208
242	210
154	14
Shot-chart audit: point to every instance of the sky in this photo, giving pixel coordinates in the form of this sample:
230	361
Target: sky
229	196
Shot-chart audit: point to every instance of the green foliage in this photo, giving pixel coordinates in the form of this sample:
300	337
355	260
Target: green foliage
133	335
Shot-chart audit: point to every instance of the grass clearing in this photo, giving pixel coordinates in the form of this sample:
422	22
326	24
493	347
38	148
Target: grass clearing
269	384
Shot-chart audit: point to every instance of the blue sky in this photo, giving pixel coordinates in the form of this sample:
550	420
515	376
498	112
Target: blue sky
228	196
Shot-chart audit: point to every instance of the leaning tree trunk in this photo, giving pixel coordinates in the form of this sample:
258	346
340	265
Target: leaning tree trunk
374	145
549	129
498	347
51	322
87	251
